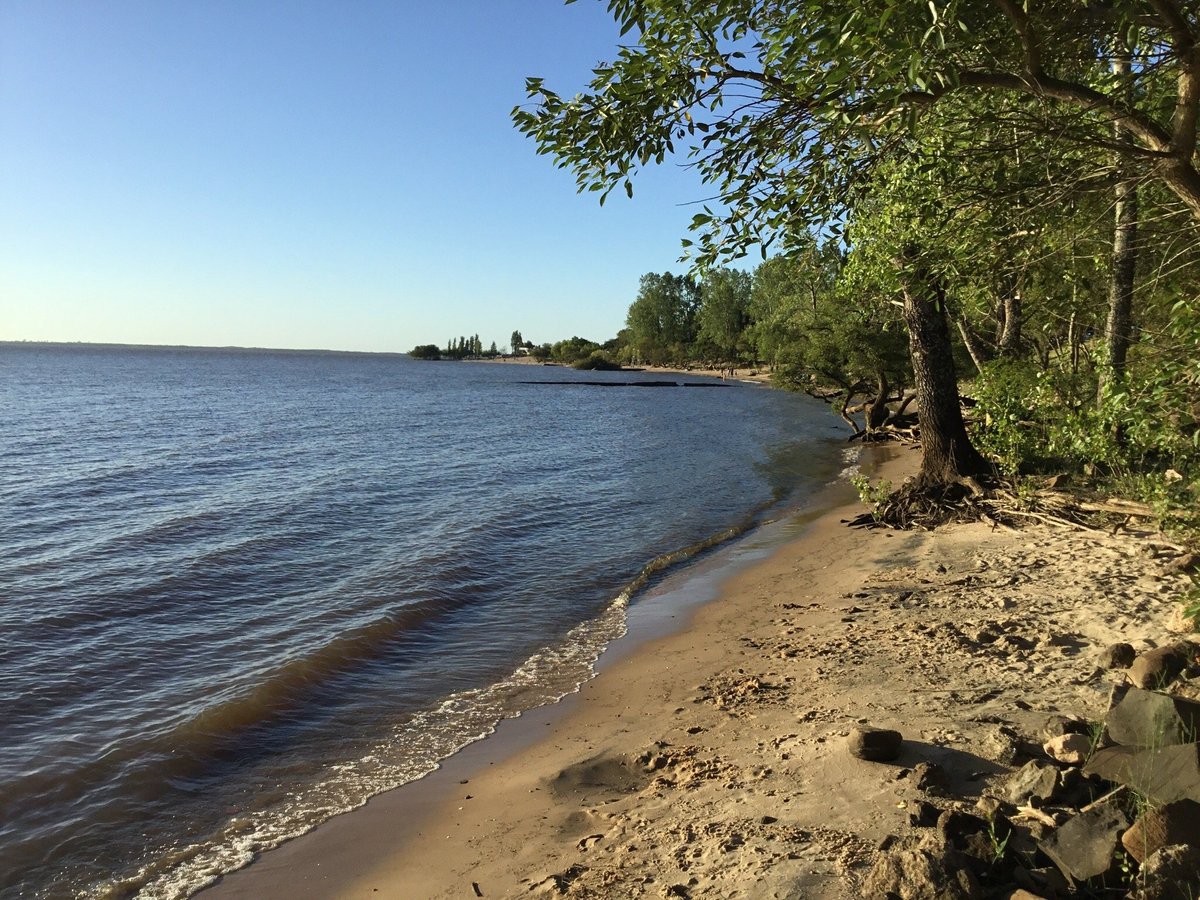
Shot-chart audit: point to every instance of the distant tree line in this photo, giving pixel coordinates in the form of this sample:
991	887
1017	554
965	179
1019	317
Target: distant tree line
460	348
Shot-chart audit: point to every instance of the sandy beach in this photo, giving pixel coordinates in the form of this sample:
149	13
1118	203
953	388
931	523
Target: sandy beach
713	762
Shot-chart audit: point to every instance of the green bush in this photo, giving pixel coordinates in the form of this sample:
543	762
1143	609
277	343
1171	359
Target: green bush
425	351
599	361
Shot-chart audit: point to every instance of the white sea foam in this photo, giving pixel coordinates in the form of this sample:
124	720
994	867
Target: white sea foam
415	749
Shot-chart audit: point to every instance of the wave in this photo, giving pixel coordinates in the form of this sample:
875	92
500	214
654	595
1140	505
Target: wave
418	745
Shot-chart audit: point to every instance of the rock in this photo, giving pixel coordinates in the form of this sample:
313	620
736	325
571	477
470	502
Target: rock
1167	774
1076	789
1083	847
953	825
875	744
1149	719
991	808
1175	823
924	815
1022	894
1158	668
1179	622
921	874
1117	656
929	777
1002	744
1035	783
1050	881
1173	873
1072	749
1163	774
1057	726
1113	764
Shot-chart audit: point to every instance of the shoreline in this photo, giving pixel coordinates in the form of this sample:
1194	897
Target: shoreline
712	760
326	860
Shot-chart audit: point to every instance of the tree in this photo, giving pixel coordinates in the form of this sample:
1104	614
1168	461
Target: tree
788	109
662	320
724	313
425	351
516	342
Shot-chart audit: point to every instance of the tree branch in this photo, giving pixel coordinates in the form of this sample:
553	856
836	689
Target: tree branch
1030	52
1187	97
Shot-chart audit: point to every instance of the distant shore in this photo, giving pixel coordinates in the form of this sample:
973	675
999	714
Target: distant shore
747	374
712	761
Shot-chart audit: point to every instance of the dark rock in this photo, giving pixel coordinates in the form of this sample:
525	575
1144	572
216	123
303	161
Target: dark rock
875	744
1175	823
1117	656
1076	789
1035	783
1083	847
1173	873
953	825
921	874
1167	774
1049	881
1158	668
929	777
1057	726
1111	764
1002	744
1163	774
1149	719
924	815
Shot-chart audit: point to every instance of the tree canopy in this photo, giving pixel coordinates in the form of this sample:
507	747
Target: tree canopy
1014	186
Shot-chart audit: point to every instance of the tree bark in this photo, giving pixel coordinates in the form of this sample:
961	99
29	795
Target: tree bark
1008	343
980	354
1118	329
877	411
947	454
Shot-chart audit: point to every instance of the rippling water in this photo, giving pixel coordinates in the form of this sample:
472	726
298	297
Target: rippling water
242	591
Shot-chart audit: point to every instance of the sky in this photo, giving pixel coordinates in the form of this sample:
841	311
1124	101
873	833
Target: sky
308	175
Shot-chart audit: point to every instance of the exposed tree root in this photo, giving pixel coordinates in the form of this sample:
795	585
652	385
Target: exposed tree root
999	503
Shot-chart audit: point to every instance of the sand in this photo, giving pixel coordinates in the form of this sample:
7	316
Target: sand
713	763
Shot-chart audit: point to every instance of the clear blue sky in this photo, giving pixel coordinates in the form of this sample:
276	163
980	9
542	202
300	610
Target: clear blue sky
307	174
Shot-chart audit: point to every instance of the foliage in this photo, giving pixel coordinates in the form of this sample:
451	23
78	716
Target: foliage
425	351
662	320
784	109
723	315
977	141
573	349
871	495
597	360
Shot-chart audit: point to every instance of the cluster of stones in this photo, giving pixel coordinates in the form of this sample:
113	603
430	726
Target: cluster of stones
1110	809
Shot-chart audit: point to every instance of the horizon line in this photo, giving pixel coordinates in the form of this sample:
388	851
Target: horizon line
125	346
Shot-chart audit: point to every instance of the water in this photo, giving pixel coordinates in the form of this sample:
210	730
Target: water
243	591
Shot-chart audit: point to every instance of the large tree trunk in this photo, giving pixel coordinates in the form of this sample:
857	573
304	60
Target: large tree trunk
947	453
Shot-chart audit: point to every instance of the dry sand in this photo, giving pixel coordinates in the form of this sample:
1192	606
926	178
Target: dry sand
713	762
